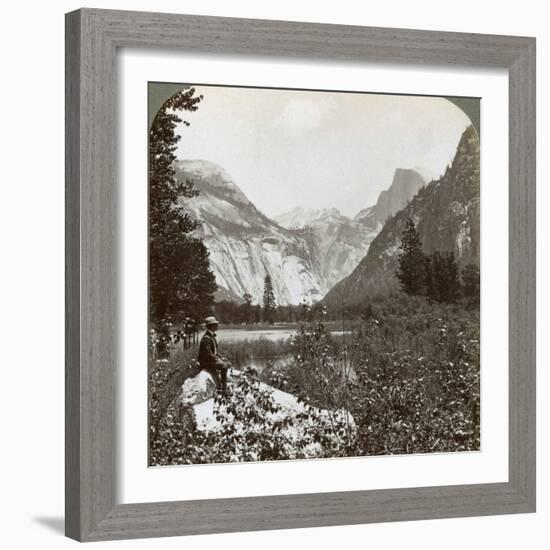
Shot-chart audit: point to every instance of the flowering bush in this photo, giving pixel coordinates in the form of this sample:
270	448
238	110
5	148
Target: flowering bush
165	427
256	423
417	387
408	372
411	402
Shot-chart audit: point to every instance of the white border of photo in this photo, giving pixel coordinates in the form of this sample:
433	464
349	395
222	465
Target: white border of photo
138	483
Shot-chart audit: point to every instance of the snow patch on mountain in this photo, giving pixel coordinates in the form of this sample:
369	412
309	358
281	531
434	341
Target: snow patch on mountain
300	217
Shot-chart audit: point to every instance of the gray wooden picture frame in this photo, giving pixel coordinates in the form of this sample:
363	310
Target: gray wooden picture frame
92	39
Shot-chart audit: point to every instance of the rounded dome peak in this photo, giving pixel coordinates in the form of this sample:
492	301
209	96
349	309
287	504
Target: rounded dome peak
211	177
203	168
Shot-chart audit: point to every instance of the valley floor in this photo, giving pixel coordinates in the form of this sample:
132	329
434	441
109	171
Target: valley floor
407	371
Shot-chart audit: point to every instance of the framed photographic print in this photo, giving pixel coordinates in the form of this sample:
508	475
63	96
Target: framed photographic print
300	275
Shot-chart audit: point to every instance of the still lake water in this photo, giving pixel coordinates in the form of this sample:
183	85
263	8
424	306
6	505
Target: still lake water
236	334
271	334
232	335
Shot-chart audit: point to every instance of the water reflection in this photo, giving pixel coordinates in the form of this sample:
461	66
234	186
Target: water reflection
236	334
232	336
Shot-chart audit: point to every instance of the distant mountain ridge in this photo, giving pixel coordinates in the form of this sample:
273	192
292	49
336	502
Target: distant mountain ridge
342	242
300	217
305	251
447	215
339	242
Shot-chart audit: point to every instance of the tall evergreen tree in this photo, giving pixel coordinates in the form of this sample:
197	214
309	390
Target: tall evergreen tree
269	300
180	280
470	282
247	307
443	282
411	261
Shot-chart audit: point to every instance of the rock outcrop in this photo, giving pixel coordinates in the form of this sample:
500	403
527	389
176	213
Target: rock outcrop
197	389
405	185
197	405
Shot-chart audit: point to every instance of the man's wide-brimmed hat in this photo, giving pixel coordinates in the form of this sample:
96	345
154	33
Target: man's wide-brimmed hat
211	321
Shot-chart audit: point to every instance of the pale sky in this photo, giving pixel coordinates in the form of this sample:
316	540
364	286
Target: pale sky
287	148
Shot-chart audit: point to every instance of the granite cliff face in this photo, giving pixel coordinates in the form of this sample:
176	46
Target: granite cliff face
245	245
446	213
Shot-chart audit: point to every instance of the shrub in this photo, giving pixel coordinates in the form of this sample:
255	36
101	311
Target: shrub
417	378
253	426
408	373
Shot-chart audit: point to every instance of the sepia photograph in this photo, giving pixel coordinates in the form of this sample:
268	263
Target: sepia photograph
314	274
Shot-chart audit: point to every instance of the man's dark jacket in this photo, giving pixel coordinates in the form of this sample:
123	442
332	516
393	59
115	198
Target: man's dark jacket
208	352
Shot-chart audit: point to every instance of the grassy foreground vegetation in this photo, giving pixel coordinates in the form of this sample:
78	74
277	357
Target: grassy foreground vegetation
408	372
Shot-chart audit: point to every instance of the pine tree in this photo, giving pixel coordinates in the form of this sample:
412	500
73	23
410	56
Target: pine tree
429	275
470	282
443	282
247	307
269	300
411	261
452	280
180	280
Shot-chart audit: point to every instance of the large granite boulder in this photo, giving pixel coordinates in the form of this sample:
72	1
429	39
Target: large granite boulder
198	409
197	389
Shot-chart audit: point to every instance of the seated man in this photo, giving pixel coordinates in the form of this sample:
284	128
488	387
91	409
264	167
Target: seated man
209	358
